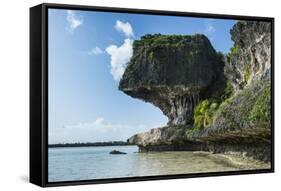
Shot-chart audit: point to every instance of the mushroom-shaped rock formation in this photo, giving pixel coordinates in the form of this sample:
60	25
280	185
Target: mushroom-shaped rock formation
173	72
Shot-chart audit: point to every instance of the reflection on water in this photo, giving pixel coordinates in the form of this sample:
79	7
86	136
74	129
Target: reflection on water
84	163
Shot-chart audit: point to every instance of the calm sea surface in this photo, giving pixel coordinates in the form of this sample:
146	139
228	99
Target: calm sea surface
83	163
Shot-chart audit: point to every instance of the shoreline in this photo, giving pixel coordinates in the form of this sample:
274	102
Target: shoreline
236	160
231	159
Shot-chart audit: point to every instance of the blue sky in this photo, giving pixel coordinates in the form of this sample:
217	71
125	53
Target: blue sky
88	52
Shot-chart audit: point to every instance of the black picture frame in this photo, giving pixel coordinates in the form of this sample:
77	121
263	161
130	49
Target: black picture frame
39	93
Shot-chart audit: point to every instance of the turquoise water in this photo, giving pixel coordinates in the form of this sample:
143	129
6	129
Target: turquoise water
84	163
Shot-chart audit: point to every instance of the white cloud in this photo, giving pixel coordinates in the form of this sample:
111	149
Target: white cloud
125	28
73	21
95	51
97	124
211	38
210	28
100	121
99	130
120	56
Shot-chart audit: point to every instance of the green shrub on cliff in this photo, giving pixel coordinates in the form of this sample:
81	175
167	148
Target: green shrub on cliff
261	111
247	73
247	108
233	51
203	114
205	110
153	39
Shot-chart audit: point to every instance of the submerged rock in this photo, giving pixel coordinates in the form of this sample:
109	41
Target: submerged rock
115	152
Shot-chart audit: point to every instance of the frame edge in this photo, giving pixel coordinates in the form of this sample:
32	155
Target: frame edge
36	107
38	176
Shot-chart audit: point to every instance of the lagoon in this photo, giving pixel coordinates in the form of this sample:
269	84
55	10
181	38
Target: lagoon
85	163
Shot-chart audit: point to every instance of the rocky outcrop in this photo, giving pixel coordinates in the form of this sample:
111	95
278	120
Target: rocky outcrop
185	77
248	67
160	136
173	73
250	57
244	119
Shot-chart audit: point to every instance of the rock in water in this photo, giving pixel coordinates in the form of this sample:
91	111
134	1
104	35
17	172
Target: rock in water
115	152
173	72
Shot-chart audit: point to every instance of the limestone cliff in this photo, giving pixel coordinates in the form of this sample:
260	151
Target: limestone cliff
213	102
173	73
250	57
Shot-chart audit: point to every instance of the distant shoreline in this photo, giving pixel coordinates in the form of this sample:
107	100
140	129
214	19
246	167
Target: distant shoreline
90	144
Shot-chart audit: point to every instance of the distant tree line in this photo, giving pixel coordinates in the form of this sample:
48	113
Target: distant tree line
90	144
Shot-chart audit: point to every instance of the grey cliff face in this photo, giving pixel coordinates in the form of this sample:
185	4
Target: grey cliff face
248	67
172	72
250	58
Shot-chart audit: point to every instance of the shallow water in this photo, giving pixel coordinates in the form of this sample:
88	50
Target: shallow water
84	163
